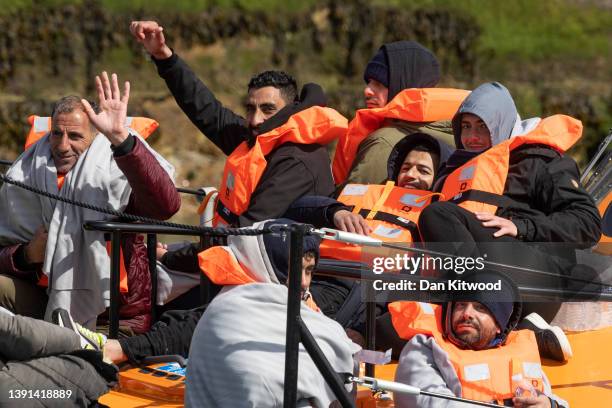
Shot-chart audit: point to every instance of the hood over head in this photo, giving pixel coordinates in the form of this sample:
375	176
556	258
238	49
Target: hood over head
266	257
410	66
492	103
405	145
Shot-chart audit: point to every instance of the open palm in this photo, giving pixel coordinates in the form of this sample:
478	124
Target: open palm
113	108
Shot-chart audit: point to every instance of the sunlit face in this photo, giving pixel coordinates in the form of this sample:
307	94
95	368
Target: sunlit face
71	135
375	94
417	171
262	104
475	135
474	324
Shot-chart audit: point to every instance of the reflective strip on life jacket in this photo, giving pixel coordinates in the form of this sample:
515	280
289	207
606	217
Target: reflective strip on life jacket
485	375
222	267
40	125
392	213
478	185
245	166
410	105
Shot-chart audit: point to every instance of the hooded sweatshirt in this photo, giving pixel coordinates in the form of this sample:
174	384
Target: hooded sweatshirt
551	206
410	66
493	104
237	353
404	146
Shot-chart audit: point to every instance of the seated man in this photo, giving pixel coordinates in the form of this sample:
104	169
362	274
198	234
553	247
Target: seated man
173	334
47	260
467	348
42	364
412	164
515	191
400	101
237	354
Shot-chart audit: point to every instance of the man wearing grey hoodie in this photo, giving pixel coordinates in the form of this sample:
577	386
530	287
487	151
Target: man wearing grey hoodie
544	202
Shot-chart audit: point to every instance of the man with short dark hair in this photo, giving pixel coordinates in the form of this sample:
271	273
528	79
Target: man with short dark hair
293	168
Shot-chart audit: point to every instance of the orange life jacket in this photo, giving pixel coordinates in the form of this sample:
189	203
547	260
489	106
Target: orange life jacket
411	105
392	212
40	125
478	185
245	166
222	267
485	375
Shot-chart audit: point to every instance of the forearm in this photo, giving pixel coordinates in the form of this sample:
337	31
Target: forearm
316	210
153	192
222	126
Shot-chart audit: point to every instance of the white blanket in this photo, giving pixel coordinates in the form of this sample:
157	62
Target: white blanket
76	261
237	353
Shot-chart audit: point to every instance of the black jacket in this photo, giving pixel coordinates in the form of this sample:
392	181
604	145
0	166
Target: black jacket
555	207
548	204
293	170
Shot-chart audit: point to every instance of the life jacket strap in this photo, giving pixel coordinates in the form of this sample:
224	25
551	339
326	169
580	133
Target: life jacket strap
381	200
227	214
486	197
391	219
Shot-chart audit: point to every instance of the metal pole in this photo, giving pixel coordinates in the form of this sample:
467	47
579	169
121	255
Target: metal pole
115	298
465	400
370	327
292	343
152	255
331	377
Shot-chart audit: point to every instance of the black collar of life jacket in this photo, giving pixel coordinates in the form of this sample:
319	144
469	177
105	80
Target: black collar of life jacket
311	95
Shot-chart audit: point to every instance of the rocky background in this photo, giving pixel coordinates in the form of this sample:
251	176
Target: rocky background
553	55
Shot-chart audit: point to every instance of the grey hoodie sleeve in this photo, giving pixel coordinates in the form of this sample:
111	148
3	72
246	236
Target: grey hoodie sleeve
425	365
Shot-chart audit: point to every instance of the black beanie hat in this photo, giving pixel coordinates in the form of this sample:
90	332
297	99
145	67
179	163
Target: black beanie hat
277	247
499	303
378	68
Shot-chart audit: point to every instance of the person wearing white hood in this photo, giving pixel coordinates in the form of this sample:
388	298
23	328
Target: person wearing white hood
237	352
542	200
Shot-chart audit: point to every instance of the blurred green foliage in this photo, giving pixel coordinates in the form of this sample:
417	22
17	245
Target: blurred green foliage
554	55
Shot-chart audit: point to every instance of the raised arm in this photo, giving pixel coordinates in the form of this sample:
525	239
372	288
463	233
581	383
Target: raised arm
221	125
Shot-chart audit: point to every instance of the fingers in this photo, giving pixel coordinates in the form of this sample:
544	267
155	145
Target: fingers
88	109
100	89
140	29
126	92
106	87
115	87
109	89
482	216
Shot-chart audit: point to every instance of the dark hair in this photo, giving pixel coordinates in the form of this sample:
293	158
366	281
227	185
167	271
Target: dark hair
71	103
427	147
310	254
277	79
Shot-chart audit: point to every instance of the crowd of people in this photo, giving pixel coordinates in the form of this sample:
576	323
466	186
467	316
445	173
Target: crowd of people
419	164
